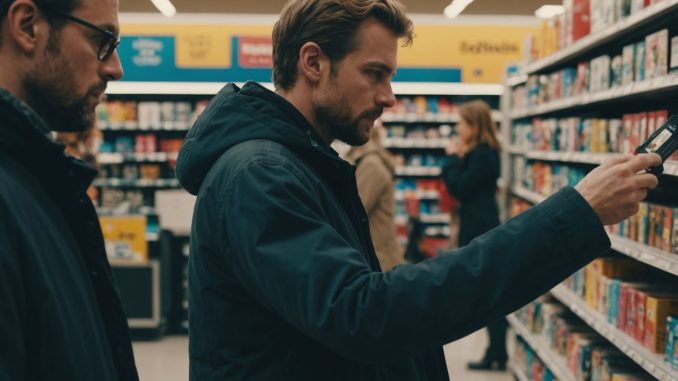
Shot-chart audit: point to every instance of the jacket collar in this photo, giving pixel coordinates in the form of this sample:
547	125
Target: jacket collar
27	138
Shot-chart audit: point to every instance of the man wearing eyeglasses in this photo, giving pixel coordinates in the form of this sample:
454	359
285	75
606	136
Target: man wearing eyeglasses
60	314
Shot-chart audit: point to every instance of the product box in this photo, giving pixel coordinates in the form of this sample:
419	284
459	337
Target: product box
659	308
581	19
628	64
581	84
597	16
623	8
617	71
640	62
671	356
656	54
674	235
674	54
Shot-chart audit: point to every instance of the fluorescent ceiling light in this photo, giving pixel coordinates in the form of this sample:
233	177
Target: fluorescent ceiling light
549	11
456	7
165	7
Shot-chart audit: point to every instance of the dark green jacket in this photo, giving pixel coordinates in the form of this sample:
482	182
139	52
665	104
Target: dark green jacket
60	315
283	280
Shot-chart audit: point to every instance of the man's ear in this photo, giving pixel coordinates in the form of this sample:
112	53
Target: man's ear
312	62
22	25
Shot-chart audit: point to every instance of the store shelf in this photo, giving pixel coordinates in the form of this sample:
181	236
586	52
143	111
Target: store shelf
670	166
542	349
651	362
134	126
415	143
429	117
419	171
649	255
418	194
117	158
425	218
516	80
138	183
527	195
516	151
518	372
597	39
668	82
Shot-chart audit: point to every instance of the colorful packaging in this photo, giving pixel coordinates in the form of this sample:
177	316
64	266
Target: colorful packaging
628	64
656	54
659	308
672	341
640	61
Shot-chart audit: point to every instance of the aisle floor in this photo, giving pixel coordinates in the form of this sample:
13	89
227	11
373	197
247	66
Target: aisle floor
167	359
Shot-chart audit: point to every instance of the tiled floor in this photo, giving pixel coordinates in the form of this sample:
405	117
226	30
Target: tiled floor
167	359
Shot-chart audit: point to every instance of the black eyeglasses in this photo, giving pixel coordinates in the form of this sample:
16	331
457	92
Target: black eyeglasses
109	41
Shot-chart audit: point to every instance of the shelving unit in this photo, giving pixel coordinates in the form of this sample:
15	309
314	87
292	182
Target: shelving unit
541	348
642	96
653	363
636	89
611	33
651	256
520	375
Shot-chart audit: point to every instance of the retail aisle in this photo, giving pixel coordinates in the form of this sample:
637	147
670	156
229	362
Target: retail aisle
167	359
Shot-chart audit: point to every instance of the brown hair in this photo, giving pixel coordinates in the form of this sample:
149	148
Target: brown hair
332	24
479	116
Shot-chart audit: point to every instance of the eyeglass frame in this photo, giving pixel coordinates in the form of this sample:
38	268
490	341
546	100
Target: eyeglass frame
109	37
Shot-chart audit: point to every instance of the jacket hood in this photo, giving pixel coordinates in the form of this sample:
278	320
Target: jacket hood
237	115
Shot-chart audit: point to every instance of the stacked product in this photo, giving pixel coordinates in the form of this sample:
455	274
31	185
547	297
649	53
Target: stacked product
625	293
581	18
586	355
644	60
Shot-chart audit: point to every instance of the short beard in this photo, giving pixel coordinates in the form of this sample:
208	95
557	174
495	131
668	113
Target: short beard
337	116
49	91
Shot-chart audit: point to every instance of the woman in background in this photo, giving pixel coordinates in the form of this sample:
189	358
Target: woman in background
375	173
470	173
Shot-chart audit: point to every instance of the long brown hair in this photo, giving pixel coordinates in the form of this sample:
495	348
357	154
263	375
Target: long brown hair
479	116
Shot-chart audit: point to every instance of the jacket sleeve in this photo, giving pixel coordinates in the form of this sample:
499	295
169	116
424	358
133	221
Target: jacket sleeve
372	180
12	316
297	265
478	174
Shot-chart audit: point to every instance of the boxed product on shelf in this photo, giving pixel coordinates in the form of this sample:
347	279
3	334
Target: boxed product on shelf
639	65
674	54
656	54
600	74
616	71
581	19
628	64
671	356
638	5
658	309
581	84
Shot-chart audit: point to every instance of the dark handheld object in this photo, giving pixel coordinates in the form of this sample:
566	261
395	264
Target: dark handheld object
663	142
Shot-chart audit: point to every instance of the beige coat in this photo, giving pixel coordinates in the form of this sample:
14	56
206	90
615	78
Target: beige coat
374	174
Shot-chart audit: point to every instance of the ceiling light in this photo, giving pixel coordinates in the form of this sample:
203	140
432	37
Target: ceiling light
549	11
456	7
165	7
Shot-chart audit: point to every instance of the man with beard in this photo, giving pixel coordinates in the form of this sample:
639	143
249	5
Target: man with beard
60	314
284	283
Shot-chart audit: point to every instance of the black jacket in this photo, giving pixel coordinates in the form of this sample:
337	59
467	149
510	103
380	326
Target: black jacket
473	181
283	280
60	315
